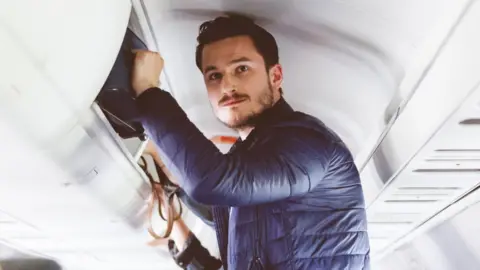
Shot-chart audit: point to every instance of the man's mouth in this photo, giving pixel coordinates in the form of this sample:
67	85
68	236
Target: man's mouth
232	102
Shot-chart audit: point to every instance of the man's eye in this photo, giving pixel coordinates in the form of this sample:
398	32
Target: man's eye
214	76
242	69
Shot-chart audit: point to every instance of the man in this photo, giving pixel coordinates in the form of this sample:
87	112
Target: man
288	195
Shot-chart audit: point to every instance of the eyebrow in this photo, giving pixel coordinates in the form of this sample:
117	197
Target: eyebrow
238	60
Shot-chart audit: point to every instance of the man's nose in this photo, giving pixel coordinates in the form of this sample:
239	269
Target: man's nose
229	84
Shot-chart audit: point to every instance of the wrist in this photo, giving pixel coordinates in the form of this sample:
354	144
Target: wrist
140	89
179	234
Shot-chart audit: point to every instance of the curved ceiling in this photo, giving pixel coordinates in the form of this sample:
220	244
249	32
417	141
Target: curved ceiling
343	60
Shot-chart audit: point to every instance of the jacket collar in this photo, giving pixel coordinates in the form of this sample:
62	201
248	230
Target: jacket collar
272	115
276	113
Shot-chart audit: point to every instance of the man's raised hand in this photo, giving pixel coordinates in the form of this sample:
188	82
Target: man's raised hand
146	70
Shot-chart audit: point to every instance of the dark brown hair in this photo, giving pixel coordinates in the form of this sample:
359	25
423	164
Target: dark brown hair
237	25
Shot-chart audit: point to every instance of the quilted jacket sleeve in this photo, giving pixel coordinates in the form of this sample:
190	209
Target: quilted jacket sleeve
289	163
204	212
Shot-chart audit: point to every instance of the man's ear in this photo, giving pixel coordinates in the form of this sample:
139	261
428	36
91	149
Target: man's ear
276	76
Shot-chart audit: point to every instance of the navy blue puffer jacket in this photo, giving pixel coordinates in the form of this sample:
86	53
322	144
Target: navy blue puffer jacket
287	197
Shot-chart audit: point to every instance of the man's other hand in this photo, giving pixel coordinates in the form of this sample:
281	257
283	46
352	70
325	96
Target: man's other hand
146	70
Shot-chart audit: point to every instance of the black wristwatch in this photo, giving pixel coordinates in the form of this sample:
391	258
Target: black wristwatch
194	256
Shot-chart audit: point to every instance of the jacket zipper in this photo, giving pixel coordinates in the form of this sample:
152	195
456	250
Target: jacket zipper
256	256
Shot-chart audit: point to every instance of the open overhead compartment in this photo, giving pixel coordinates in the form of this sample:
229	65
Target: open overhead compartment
70	188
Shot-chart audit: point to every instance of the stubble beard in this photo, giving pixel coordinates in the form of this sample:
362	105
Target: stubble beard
249	120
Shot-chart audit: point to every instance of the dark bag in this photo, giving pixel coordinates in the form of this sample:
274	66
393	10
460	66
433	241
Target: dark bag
116	99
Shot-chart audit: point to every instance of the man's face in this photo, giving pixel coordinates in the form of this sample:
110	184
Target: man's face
238	83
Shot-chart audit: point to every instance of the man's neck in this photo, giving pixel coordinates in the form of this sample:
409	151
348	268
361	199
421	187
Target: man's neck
244	132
